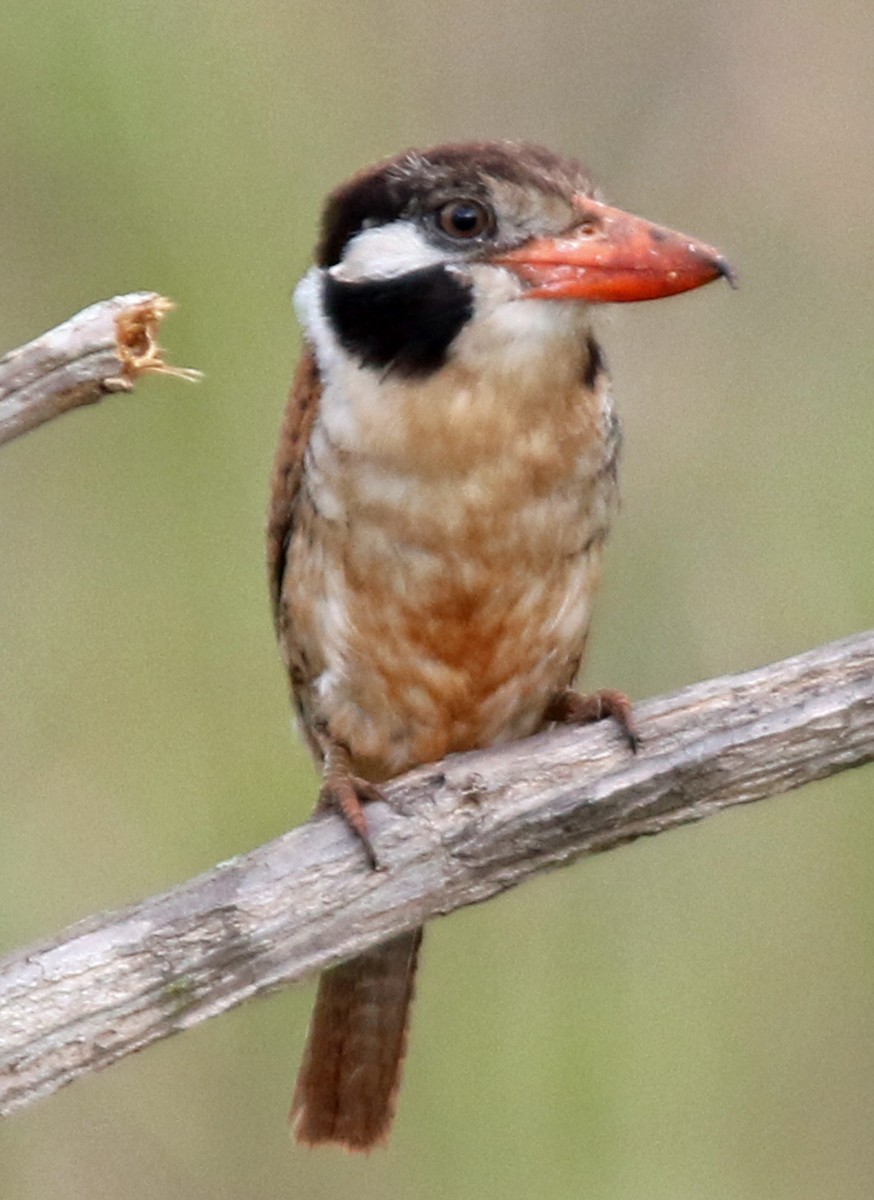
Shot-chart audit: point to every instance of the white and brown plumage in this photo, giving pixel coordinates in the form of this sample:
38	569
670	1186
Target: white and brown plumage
444	484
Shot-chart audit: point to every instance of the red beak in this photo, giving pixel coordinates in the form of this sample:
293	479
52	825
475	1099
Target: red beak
609	255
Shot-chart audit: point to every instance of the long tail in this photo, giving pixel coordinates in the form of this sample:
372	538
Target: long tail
352	1064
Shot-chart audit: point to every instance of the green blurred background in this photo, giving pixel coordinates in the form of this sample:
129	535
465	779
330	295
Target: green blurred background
691	1017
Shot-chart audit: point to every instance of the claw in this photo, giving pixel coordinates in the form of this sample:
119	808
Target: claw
573	708
346	794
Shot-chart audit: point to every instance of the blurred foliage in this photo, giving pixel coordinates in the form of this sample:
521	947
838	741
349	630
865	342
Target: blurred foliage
689	1017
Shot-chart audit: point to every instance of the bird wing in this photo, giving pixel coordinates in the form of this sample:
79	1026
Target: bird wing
297	424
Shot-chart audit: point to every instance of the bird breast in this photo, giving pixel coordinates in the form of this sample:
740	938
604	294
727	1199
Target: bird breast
446	551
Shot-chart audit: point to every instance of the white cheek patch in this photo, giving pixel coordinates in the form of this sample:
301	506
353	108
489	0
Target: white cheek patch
385	251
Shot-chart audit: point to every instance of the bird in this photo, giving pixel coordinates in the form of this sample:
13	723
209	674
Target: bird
444	483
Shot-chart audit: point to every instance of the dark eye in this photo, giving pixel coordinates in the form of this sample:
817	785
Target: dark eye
464	219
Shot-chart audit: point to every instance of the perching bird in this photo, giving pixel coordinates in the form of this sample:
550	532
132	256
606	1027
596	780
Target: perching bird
444	484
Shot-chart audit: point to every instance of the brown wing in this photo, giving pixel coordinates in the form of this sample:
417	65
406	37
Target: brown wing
297	424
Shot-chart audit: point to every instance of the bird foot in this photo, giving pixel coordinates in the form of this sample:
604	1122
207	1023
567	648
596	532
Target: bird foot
574	708
346	794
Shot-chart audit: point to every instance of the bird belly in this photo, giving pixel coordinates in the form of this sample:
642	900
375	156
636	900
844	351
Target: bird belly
442	624
457	666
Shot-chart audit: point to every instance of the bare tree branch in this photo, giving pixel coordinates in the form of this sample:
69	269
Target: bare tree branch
101	350
456	833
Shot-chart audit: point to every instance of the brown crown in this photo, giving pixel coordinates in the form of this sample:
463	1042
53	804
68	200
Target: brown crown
415	180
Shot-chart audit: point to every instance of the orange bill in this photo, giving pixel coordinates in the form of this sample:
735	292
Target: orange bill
610	255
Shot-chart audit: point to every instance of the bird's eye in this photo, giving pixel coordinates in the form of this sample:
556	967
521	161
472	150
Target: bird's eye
464	219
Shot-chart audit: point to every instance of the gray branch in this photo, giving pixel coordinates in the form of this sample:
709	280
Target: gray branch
101	350
455	833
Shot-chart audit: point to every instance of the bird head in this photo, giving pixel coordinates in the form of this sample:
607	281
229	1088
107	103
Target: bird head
417	249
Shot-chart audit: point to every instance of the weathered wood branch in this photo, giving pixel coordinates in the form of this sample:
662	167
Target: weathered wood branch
457	833
101	350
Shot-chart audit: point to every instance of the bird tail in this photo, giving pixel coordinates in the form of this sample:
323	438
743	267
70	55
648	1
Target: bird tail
352	1064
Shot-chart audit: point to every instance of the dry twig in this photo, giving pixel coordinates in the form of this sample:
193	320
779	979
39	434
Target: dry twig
467	828
103	349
